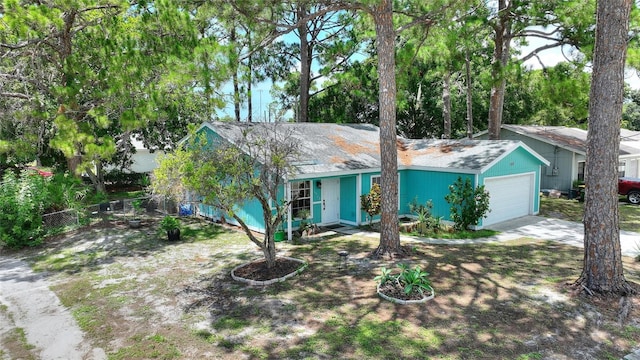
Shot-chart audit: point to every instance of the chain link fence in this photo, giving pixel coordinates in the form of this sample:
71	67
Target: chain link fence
61	219
130	208
124	209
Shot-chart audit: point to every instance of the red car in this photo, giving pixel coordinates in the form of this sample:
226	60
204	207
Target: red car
631	188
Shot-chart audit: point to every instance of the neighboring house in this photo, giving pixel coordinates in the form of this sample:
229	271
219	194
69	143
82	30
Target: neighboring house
565	149
143	160
342	161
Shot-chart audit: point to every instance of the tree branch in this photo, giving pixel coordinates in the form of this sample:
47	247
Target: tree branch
542	48
15	95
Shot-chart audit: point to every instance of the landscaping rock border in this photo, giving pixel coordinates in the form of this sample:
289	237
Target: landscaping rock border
406	302
303	263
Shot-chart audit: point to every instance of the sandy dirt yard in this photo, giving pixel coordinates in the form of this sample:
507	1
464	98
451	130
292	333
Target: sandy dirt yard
118	293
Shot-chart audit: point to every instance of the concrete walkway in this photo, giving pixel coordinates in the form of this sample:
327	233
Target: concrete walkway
30	305
566	232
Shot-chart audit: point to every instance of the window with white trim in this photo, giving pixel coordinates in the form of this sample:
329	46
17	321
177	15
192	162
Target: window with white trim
376	179
622	165
581	165
300	197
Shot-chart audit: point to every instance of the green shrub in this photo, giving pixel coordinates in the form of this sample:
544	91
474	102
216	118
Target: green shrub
120	179
414	280
23	200
66	192
169	223
468	204
371	203
426	221
411	280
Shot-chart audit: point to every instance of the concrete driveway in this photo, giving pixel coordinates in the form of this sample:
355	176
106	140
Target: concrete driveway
566	232
538	227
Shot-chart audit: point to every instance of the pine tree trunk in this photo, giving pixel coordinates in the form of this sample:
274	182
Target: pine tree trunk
602	271
467	61
385	40
235	81
249	97
250	80
502	44
446	105
305	66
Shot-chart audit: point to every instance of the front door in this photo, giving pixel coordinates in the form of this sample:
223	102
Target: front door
330	201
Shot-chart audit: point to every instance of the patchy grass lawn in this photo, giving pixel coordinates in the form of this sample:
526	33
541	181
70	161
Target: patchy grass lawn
573	210
464	234
139	297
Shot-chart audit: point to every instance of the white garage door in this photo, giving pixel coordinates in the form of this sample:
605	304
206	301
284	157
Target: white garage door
510	197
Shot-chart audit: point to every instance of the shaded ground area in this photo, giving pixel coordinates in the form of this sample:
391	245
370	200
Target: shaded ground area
137	296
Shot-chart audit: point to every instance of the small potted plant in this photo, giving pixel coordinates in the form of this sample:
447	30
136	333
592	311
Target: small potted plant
172	226
136	222
305	227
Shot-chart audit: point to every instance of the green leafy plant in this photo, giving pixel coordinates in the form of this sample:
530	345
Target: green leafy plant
169	223
23	200
305	224
414	280
66	192
384	276
371	203
410	280
468	204
137	208
426	221
144	181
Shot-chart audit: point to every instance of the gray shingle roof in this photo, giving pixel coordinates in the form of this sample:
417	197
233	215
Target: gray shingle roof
339	148
573	138
472	155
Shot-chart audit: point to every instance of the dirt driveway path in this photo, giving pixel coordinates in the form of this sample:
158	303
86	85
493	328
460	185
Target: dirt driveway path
27	303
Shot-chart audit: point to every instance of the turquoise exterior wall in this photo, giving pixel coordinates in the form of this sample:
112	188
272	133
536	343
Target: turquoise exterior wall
422	185
517	162
316	201
250	213
430	185
348	198
211	135
404	195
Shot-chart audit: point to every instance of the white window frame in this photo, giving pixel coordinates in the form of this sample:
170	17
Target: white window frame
584	170
375	179
297	197
622	165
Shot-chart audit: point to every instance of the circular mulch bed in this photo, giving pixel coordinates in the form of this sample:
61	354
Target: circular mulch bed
394	292
257	272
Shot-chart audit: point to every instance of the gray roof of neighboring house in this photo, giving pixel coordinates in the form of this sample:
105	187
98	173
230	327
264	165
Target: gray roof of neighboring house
465	154
574	139
331	148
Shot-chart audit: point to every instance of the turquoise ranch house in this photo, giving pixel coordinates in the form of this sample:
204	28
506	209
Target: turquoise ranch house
340	162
